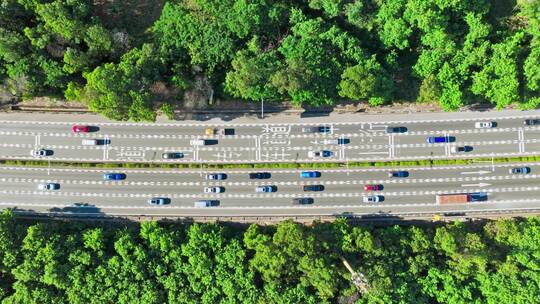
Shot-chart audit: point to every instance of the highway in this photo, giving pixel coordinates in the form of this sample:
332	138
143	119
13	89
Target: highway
276	139
84	190
270	142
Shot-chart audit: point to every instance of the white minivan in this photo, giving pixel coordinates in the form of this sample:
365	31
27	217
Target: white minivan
89	142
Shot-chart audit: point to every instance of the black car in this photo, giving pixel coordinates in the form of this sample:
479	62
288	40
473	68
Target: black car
260	175
314	188
396	129
532	122
461	149
302	201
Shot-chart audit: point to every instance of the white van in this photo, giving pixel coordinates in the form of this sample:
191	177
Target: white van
198	142
89	142
207	203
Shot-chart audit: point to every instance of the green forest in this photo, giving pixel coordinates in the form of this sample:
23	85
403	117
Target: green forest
127	262
131	59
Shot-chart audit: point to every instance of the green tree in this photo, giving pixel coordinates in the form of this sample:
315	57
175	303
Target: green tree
250	76
367	80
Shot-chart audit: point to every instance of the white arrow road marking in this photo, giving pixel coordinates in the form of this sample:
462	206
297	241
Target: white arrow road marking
476	185
477	172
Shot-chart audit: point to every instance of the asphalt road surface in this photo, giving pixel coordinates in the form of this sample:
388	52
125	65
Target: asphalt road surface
85	191
272	142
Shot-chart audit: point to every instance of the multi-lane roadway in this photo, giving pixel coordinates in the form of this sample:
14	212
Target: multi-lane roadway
85	190
344	190
272	142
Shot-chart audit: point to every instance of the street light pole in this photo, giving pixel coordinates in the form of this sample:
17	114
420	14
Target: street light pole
262	108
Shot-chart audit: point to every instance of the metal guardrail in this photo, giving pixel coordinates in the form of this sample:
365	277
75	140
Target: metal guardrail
389	218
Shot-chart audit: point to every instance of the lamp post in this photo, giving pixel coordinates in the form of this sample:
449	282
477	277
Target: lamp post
262	108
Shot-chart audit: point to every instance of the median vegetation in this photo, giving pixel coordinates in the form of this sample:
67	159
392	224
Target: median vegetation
129	59
92	262
312	165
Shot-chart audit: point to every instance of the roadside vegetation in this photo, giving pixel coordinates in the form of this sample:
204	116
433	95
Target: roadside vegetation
130	59
113	262
312	165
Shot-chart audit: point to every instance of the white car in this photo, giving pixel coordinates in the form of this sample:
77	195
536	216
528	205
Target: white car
49	186
372	199
484	125
320	153
40	152
213	189
333	141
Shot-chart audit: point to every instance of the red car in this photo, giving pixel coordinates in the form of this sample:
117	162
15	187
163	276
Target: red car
373	187
79	129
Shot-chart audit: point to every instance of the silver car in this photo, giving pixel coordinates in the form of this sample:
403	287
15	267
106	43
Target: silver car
214	189
49	186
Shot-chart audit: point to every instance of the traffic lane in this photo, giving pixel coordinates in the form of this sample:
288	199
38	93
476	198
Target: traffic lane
458	124
388	184
506	200
335	189
282	175
369	212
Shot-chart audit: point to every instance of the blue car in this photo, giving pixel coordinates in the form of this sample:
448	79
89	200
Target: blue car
310	174
398	174
114	176
440	139
520	170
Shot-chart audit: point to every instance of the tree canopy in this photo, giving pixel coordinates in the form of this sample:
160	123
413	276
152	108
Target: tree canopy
311	52
97	262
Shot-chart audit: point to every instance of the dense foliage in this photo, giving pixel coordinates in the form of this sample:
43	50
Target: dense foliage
313	52
74	262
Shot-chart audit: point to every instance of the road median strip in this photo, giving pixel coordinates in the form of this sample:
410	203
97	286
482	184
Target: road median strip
410	163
